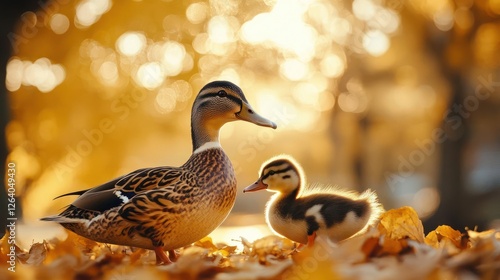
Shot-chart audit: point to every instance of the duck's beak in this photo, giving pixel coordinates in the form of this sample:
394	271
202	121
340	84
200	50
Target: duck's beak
257	186
248	114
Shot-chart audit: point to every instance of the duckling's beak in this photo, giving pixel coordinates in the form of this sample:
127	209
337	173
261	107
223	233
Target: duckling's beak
257	186
248	114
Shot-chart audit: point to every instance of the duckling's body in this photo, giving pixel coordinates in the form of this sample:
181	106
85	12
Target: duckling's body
165	208
299	212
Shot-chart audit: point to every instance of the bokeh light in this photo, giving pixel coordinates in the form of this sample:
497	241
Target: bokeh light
376	42
150	75
89	12
197	12
41	74
338	73
364	9
131	43
220	30
173	58
59	23
281	27
444	19
332	66
294	69
108	72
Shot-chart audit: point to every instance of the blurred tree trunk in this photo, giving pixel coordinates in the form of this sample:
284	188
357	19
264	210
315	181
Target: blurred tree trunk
10	12
451	176
455	201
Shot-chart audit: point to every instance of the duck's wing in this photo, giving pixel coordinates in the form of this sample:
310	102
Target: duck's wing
156	211
121	190
173	199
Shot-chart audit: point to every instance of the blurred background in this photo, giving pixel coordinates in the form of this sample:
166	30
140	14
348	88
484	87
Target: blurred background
402	97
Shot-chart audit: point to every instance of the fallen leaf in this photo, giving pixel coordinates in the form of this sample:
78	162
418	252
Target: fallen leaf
392	250
370	247
444	235
313	263
401	223
275	246
35	256
206	243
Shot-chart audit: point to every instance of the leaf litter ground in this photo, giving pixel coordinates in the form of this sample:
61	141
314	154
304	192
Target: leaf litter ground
395	249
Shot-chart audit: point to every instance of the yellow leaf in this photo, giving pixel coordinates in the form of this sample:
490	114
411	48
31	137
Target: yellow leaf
370	246
272	245
36	254
207	243
392	246
314	262
401	223
444	234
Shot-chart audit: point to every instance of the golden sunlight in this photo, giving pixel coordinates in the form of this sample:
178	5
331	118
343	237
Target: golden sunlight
131	43
376	42
332	66
281	27
173	57
197	12
59	23
150	75
108	72
396	96
221	29
89	12
364	9
41	74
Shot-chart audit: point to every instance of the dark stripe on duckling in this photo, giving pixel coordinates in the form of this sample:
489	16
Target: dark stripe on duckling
334	208
277	163
273	172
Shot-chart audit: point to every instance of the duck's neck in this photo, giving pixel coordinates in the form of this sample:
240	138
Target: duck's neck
203	134
286	201
206	146
291	195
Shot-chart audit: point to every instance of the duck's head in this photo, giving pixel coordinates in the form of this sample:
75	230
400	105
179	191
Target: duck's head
217	103
280	174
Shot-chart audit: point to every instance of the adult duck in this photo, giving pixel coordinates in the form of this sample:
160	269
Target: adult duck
165	208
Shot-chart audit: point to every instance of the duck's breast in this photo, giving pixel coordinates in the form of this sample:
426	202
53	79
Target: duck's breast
293	229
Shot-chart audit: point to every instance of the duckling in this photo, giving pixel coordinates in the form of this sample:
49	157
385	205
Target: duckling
165	208
299	213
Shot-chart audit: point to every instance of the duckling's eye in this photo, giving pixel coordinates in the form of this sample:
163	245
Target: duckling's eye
222	93
271	173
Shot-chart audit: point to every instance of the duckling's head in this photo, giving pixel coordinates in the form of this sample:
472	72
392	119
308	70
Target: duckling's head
217	103
279	174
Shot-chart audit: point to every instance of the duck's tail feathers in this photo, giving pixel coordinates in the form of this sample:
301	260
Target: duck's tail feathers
376	207
62	220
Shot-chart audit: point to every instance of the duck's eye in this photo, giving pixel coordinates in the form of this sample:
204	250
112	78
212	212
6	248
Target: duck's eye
271	173
222	93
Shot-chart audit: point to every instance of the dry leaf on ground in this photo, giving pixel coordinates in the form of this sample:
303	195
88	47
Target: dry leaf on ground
401	223
395	249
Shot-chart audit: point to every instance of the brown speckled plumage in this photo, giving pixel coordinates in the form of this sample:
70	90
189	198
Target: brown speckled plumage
206	181
165	208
